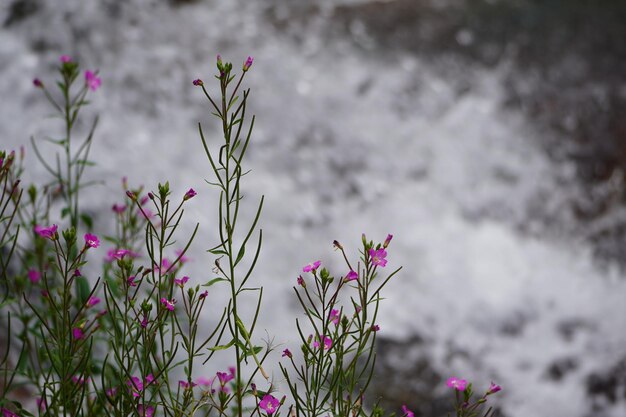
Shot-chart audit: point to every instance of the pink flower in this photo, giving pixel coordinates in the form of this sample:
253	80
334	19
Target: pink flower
351	276
375	328
328	342
65	59
136	386
145	411
204	294
378	257
334	316
77	273
92	80
182	281
111	392
493	388
248	63
287	353
456	383
301	282
79	380
186	385
183	259
37	83
77	333
198	82
117	254
204	381
47	232
269	404
8	413
92	301
406	412
190	194
41	404
144	321
168	304
131	281
91	241
34	276
225	377
118	208
312	267
386	243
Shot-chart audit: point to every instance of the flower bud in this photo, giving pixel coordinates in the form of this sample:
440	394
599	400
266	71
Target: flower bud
248	64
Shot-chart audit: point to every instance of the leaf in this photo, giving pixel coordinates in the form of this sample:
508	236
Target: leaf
242	251
223	347
214	281
87	220
65	212
218	252
82	289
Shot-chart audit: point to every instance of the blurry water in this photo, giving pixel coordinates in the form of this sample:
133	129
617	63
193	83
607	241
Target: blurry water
350	139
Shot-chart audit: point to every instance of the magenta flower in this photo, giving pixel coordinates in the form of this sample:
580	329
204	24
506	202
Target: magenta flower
198	82
168	304
328	342
79	380
47	232
186	385
37	83
92	80
301	282
456	383
375	328
145	411
65	59
351	276
8	413
312	267
111	392
91	241
183	259
386	243
136	386
34	276
77	333
131	281
406	412
334	316
118	208
190	194
144	321
248	63
92	301
269	404
378	257
41	404
117	254
493	388
287	353
182	281
204	294
77	273
207	382
225	377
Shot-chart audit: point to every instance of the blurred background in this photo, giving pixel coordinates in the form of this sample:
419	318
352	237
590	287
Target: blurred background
488	136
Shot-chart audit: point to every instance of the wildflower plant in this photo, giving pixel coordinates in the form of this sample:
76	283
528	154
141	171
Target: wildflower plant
123	334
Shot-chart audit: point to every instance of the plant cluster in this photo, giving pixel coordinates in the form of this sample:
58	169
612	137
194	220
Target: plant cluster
126	334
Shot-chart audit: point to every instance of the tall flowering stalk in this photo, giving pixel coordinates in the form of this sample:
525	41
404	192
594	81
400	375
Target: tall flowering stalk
228	171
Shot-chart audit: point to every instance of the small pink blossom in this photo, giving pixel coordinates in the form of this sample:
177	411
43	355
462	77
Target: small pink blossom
131	281
65	59
34	276
334	316
207	382
8	413
92	80
182	258
77	273
351	276
204	294
42	404
77	333
301	282
145	411
182	281
493	388
118	208
47	232
168	304
328	343
198	82
37	83
287	353
248	63
79	380
92	301
406	412
186	385
225	377
387	241
378	257
312	267
190	194
117	254
375	328
91	241
111	392
269	404
456	383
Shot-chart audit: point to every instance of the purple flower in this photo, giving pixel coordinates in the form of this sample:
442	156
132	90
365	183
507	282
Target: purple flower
117	254
77	333
37	83
456	383
351	276
334	316
47	232
34	276
131	281
186	385
328	342
375	328
386	243
204	294
8	413
301	282
248	63
65	59
406	412
182	281
269	404
183	259
92	80
190	194
168	304
118	208
378	257
198	82
287	353
145	411
77	273
312	267
92	301
493	388
207	382
91	241
225	377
